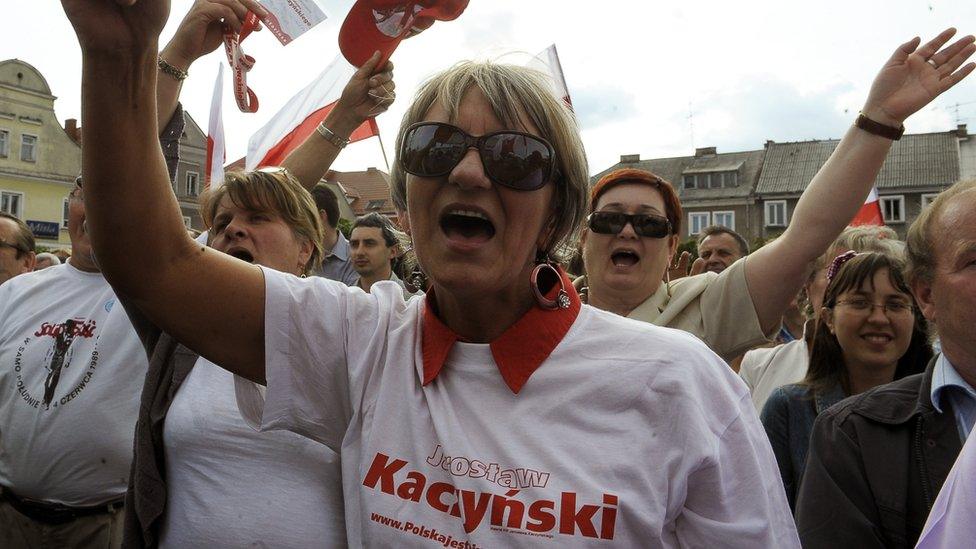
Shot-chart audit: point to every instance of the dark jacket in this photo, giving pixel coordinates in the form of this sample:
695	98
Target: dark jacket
876	463
788	418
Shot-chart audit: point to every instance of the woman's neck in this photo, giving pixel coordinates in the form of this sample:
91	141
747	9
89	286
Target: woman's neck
481	318
862	378
621	303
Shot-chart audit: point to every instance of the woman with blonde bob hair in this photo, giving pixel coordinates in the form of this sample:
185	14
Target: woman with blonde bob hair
198	467
497	410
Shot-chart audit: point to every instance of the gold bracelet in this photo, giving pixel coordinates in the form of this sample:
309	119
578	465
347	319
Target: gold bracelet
176	73
331	137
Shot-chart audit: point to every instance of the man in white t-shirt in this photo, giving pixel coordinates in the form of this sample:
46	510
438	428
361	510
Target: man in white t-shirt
71	372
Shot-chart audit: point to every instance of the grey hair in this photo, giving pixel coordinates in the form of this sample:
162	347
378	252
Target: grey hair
512	92
55	260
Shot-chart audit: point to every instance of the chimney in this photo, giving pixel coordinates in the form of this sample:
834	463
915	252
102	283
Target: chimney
705	151
768	143
629	158
71	128
961	131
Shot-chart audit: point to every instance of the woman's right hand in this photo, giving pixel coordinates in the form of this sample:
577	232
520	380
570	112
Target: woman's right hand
117	27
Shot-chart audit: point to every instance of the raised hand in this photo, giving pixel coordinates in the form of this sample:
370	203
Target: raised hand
914	76
202	29
117	27
369	92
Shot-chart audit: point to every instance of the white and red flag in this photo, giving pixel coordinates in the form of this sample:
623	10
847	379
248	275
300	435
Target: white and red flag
291	125
216	153
548	61
870	212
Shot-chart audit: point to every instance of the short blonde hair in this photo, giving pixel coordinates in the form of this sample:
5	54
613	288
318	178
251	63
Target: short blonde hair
862	239
513	92
270	191
920	241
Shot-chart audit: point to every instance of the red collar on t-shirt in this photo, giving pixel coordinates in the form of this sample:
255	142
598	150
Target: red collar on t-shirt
519	351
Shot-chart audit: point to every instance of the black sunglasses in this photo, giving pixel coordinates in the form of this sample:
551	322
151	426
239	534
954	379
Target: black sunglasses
512	159
652	226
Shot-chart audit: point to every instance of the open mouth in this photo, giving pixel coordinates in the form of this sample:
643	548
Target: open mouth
467	225
624	258
877	338
243	255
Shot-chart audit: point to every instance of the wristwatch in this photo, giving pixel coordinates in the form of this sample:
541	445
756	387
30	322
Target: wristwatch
878	128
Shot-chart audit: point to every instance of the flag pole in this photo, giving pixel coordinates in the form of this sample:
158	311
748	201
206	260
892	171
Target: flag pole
382	148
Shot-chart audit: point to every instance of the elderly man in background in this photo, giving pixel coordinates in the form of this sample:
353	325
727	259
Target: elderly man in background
45	260
16	247
877	460
720	247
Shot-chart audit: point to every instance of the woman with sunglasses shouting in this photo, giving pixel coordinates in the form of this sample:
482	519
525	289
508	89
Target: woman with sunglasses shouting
632	232
497	411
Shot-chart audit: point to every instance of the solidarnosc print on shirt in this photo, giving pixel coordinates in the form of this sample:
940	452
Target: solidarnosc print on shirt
71	372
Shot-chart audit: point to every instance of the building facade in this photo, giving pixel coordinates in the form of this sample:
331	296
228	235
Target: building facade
39	160
714	188
756	192
191	172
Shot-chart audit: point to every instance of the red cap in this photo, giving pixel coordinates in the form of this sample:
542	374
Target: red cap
381	24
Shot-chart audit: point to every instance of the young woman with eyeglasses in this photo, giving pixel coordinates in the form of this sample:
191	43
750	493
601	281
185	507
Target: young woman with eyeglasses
496	411
870	333
627	267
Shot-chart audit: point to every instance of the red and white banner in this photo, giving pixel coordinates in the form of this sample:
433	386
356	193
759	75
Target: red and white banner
870	212
216	153
548	61
301	115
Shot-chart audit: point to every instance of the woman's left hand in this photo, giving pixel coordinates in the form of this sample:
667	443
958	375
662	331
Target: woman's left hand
370	90
914	76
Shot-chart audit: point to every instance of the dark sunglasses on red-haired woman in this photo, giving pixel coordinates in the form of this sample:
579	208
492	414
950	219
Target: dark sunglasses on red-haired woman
516	160
649	225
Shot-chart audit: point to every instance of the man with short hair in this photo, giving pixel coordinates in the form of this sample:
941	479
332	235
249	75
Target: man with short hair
72	373
720	247
16	247
373	243
335	264
878	459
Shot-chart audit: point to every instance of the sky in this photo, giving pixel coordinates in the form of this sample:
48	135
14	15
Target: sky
651	78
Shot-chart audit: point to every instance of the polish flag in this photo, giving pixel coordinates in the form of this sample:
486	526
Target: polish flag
301	115
870	212
216	154
547	61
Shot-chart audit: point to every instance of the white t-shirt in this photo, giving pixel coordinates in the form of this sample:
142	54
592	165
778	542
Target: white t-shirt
627	432
229	486
71	372
767	368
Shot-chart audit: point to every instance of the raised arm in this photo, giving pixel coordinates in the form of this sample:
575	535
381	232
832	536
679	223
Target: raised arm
368	93
132	215
911	79
200	32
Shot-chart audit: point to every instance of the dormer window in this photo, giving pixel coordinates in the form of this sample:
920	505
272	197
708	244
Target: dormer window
710	180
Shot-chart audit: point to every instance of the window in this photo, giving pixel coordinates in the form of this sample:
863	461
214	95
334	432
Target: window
776	213
187	222
927	199
688	181
710	180
4	143
731	179
28	148
64	215
375	204
697	221
192	183
12	203
893	209
725	219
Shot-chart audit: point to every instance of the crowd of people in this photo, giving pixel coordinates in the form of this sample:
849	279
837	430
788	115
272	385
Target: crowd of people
446	379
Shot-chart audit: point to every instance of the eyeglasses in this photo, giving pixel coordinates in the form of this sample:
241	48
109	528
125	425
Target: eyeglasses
891	308
11	246
512	159
651	226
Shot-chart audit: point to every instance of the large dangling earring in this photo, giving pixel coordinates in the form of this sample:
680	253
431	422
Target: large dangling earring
545	270
667	282
417	279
